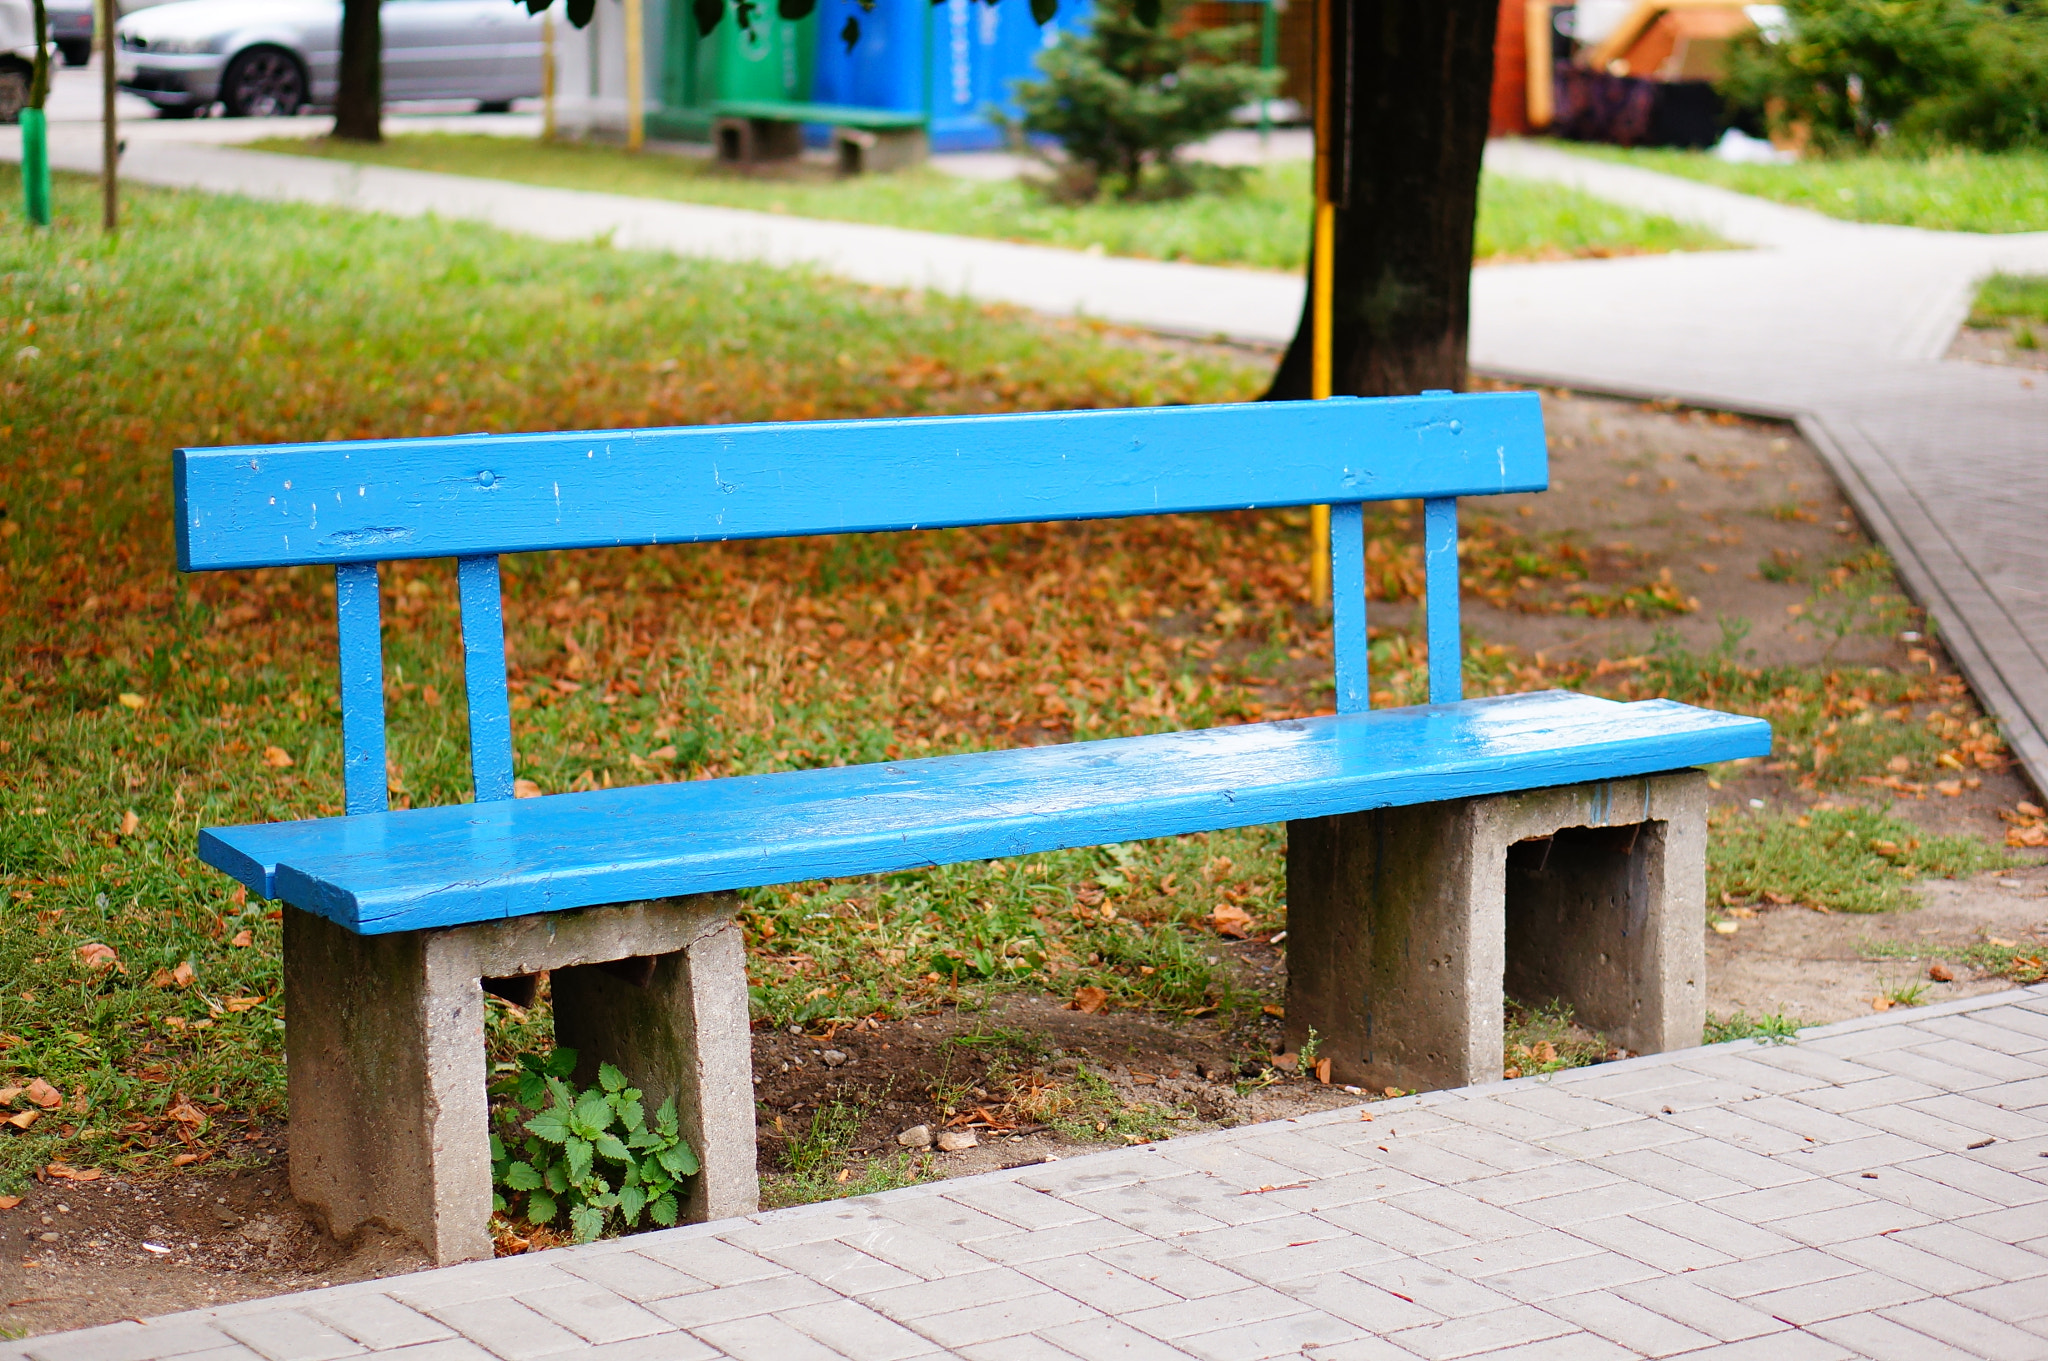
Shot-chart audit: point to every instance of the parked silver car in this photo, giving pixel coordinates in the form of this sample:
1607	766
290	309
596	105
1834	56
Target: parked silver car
263	57
17	57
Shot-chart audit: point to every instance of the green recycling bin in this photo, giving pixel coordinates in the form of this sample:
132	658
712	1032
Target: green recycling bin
753	54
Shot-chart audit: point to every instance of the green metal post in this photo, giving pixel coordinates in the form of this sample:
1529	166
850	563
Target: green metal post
35	166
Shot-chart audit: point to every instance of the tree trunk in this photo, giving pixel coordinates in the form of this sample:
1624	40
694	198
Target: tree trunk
1413	81
359	103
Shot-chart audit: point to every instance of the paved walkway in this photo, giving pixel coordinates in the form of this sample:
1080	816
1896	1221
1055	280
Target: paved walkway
1837	325
1878	1189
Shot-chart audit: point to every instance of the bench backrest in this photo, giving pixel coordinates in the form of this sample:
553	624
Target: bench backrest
473	497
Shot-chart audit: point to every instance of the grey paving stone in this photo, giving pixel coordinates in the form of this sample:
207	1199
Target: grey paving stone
1856	1155
1395	1227
908	1303
1741	1164
1980	1252
1474	1333
128	1342
673	1346
1901	1260
1344	1296
1541	1183
1966	1173
379	1322
1992	1063
1644	1332
1168	1267
1301	1261
1859	1292
706	1258
1453	1209
1960	1326
809	1224
1573	1209
1902	1184
1973	1112
1026	1348
1289	1336
1639	1132
1542	1247
507	1328
1657	1169
1038	1245
1599	1271
595	1314
1572	1347
431	1291
633	1276
1710	1228
1791	1347
2013	1301
1646	1243
745	1300
1988	1034
1107	1337
856	1332
1757	1275
763	1337
1865	1219
288	1335
986	1322
1185	1318
1679	1299
1018	1204
840	1267
922	1255
1440	1292
1368	1183
1885	1089
1098	1284
449	1349
1880	1339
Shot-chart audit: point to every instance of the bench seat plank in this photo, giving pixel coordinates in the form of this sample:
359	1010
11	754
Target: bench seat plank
839	115
465	863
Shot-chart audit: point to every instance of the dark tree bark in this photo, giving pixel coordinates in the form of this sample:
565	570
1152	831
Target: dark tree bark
1412	81
359	103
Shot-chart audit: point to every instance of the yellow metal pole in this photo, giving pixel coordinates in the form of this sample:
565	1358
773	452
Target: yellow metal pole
636	94
547	75
1321	285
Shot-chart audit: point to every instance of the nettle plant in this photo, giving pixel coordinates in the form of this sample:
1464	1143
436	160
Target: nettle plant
590	1153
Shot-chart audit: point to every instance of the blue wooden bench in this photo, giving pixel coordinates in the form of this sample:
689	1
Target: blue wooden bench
1552	840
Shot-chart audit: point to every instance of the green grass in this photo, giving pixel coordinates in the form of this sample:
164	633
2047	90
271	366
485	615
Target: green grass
1775	1028
1841	860
1264	226
220	321
1962	191
2007	298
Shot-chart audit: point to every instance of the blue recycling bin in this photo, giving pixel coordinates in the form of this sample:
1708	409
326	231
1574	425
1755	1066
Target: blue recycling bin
950	60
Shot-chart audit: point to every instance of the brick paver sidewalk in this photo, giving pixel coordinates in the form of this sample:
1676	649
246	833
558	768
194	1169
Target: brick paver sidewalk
1878	1189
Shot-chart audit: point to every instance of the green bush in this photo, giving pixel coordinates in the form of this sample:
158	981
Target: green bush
1131	90
590	1153
1864	74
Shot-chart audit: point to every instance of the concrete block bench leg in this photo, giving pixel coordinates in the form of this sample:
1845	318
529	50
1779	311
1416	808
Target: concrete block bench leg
1406	926
385	1055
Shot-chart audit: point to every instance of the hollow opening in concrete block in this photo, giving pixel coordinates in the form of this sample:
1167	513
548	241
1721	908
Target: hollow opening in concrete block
1578	909
521	990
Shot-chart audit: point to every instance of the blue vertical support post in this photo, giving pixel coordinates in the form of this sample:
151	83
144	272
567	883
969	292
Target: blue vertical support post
1348	638
483	677
1440	562
360	627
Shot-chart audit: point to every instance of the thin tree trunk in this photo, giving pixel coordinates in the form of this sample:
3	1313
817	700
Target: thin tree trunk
359	103
1413	81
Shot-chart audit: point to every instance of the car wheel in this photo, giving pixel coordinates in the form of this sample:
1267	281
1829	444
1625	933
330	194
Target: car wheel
13	93
177	111
264	82
494	106
78	52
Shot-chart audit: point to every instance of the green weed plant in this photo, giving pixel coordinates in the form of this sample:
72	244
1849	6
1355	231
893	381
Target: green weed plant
1835	859
591	1155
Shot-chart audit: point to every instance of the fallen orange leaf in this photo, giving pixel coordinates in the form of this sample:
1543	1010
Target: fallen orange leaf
23	1120
43	1094
243	939
1090	1001
186	1159
131	823
277	756
97	956
1231	920
9	1202
66	1172
243	1003
525	789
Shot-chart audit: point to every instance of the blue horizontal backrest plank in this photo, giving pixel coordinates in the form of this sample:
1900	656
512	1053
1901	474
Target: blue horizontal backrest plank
452	496
479	862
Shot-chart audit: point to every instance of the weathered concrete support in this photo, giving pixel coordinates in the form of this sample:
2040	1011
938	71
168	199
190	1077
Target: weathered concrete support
1407	925
385	1055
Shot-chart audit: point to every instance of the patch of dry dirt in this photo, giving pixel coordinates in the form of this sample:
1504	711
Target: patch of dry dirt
2005	345
1821	967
